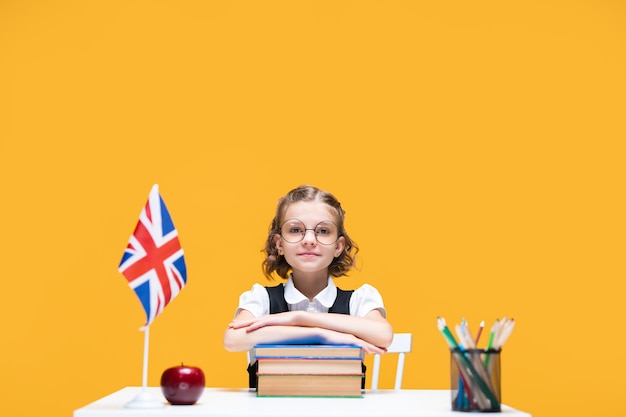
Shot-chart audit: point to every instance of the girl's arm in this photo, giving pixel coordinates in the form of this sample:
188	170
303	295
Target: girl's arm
371	332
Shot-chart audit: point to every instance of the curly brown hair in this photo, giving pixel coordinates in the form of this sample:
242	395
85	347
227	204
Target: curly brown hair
277	263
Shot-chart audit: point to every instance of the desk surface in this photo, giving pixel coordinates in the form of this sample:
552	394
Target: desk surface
234	402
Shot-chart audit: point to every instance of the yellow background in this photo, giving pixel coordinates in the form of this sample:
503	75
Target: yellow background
476	146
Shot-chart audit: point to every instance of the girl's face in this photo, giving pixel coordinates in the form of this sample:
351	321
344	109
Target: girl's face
308	256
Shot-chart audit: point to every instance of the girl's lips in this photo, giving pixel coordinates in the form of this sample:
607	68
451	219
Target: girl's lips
308	254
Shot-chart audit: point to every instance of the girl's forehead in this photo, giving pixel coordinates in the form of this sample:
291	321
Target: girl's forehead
312	211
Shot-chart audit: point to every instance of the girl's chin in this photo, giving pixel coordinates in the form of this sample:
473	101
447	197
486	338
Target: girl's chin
309	271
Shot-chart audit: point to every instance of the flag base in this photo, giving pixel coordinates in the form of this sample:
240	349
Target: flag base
145	400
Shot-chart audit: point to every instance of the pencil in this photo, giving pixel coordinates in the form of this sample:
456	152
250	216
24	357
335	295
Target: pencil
507	329
492	333
443	328
480	331
492	336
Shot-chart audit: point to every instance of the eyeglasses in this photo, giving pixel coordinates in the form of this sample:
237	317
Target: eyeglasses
294	231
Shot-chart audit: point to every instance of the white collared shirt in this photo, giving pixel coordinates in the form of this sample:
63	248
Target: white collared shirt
364	299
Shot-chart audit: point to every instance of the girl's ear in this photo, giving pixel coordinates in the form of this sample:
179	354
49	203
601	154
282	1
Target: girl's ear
279	244
340	245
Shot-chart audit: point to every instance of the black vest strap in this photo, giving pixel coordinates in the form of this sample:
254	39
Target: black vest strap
278	304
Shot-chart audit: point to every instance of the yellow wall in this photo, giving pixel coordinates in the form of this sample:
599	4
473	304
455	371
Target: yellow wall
477	147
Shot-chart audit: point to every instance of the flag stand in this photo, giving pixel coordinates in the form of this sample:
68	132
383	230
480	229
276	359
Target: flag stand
144	399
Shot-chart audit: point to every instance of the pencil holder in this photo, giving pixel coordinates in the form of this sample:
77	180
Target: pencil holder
475	380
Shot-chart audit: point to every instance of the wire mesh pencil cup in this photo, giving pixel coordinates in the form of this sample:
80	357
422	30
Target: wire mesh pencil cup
475	379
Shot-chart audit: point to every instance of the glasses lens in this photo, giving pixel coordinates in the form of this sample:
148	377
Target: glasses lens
293	231
326	233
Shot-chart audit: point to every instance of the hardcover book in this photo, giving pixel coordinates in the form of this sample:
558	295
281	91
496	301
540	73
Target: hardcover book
313	366
309	385
308	351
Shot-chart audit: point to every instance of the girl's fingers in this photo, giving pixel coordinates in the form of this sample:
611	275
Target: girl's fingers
239	324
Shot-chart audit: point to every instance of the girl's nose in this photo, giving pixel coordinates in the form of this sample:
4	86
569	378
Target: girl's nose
309	238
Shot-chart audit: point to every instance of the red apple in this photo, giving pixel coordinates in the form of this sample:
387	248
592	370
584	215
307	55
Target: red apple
182	385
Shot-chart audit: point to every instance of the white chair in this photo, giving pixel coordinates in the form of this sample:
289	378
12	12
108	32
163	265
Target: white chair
401	345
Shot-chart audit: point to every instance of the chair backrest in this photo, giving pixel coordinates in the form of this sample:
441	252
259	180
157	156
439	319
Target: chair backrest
401	345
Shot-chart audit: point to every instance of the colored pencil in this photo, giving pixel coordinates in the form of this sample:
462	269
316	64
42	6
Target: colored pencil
480	331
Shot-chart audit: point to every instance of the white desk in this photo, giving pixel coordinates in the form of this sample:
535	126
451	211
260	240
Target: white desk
234	402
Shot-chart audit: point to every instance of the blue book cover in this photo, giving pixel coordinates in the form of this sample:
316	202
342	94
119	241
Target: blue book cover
326	351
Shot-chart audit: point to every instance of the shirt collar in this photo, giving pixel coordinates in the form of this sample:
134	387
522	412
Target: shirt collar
326	297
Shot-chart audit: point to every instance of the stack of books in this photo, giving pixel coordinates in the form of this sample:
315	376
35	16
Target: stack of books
309	370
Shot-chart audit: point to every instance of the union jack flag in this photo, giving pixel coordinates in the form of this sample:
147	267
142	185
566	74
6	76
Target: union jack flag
153	262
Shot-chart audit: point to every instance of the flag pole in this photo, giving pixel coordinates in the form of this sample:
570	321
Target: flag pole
144	399
146	350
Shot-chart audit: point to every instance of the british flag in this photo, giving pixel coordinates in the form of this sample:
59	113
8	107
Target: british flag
153	262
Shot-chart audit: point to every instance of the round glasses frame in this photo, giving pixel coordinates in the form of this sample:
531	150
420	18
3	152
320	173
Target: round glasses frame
296	231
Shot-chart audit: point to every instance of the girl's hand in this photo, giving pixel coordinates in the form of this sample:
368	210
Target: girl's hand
333	337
